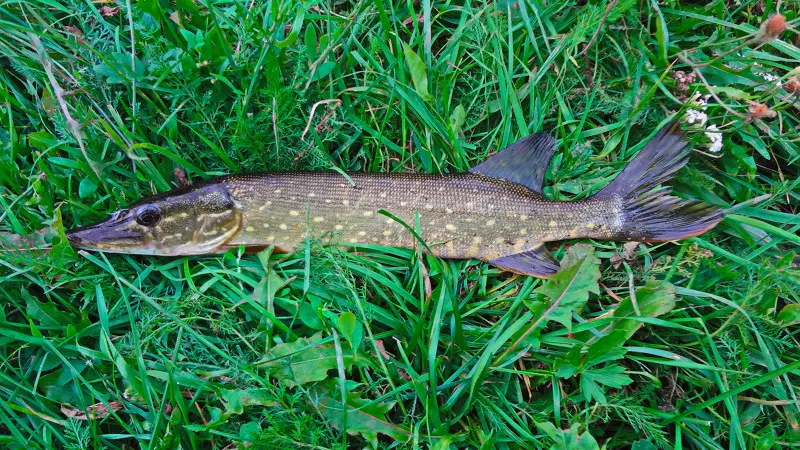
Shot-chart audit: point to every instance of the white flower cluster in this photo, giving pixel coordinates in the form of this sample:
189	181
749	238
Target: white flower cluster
770	77
699	118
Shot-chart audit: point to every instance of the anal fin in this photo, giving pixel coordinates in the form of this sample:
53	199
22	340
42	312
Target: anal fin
536	262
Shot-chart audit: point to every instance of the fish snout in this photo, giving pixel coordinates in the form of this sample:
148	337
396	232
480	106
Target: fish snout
101	236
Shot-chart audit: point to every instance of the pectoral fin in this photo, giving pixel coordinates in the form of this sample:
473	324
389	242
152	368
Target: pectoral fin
536	262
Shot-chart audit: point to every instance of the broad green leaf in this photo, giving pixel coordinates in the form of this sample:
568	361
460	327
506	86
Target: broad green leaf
789	315
568	290
303	361
419	73
732	93
363	418
568	439
653	299
236	400
662	33
643	444
607	348
311	43
86	187
347	325
324	70
193	40
297	23
457	120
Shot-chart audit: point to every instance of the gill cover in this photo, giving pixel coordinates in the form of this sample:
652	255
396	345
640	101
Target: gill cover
185	221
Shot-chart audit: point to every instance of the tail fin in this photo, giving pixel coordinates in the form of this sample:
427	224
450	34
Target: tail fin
650	214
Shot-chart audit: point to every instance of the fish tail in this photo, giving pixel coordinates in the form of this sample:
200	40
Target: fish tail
649	213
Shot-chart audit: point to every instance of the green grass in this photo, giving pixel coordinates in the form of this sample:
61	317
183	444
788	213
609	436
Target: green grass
100	102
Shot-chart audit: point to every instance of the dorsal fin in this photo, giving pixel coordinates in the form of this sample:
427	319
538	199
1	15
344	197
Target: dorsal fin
523	162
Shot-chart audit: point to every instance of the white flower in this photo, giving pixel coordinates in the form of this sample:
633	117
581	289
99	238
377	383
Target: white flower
713	135
694	116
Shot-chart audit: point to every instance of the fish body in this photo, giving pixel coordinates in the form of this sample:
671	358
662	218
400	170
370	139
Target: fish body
495	212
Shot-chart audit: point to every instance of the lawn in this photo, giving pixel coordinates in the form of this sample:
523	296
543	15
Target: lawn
690	344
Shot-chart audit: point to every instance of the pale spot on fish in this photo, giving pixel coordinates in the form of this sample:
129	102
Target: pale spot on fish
473	251
374	239
345	202
499	240
490	223
327	200
311	194
271	238
283	226
262	207
590	225
428	206
450	227
183	215
523	231
250	229
209	233
469	219
353	240
362	233
383	194
477	239
367	213
389	220
553	224
403	203
339	227
293	198
277	191
448	211
387	233
294	213
266	225
319	219
523	217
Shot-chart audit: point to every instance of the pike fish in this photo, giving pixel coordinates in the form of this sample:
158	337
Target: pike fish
495	212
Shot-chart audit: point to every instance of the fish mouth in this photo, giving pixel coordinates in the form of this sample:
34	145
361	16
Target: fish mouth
104	236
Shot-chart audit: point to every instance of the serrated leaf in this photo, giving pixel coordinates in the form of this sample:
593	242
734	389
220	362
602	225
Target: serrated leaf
568	439
419	72
789	315
611	375
363	417
304	361
568	290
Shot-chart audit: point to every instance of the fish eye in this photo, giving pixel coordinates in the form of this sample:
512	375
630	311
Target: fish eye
148	215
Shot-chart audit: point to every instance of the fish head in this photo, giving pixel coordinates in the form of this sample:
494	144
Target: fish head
186	221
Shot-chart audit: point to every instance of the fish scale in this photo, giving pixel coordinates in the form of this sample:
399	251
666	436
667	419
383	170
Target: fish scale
461	215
